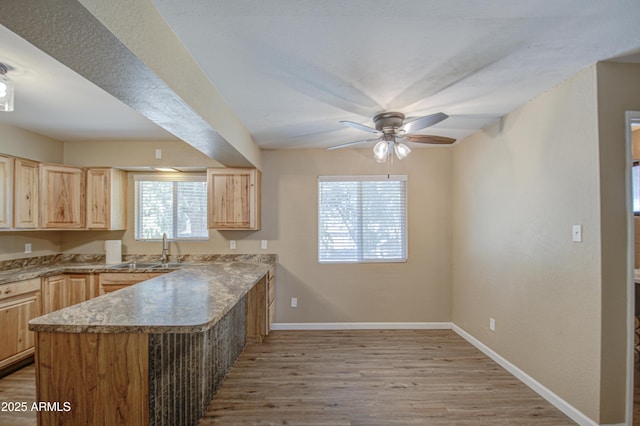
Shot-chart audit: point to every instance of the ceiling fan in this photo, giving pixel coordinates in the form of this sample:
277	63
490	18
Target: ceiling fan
392	129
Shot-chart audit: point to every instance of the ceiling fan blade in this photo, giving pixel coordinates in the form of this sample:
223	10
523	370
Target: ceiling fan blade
359	126
344	145
436	140
426	121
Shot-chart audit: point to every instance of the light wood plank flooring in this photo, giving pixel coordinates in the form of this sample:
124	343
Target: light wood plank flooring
19	387
382	377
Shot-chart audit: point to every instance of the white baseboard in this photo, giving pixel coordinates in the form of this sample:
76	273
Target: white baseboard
361	326
562	405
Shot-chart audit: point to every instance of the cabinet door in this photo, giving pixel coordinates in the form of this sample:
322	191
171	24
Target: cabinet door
6	192
19	303
62	204
25	194
56	293
61	291
234	198
106	199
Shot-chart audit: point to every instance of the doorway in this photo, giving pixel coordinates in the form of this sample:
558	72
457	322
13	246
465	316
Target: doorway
633	250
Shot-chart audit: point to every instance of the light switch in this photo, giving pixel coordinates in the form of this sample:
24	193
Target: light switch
232	244
577	233
158	154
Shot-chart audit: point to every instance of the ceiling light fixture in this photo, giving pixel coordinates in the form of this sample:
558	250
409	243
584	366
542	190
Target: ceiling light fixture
6	89
166	169
383	150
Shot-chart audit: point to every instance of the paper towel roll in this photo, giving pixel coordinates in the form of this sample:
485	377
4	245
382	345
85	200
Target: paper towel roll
113	248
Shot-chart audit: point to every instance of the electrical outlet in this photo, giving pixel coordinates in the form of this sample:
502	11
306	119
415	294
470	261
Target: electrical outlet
492	324
27	248
576	233
158	154
263	244
294	302
232	244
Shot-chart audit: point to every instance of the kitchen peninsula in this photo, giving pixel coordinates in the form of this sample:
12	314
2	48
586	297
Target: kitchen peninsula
152	353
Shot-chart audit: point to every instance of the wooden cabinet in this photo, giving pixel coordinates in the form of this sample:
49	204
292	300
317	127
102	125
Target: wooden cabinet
112	281
6	192
62	197
234	198
260	309
61	291
19	303
25	195
106	199
271	297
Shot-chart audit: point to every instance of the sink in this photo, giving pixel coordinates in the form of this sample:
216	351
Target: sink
166	265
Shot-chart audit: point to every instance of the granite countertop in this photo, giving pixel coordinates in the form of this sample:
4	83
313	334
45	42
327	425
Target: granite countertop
190	299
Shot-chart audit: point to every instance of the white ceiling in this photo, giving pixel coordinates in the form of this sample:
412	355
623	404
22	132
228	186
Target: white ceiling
291	69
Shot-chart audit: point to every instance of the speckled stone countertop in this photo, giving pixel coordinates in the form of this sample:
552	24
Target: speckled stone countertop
190	299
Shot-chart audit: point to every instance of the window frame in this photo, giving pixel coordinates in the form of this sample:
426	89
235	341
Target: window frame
168	177
365	178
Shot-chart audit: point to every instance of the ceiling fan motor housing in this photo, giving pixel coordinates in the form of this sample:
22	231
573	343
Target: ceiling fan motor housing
388	121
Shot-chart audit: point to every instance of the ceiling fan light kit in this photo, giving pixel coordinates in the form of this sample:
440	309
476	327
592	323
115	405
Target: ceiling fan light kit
6	90
391	129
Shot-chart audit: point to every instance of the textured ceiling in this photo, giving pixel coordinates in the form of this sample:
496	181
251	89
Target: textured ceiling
292	69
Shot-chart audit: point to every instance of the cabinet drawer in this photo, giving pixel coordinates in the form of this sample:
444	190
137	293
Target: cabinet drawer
123	279
20	287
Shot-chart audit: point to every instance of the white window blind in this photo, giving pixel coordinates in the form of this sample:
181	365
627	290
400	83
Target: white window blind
362	218
175	204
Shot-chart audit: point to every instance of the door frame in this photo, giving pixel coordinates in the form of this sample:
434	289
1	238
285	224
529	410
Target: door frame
630	117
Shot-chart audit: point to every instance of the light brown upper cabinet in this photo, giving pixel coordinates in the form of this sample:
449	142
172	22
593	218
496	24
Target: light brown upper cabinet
106	199
25	196
62	197
6	192
234	198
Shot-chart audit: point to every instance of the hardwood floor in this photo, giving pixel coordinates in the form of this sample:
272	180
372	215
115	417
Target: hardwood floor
401	377
19	387
382	377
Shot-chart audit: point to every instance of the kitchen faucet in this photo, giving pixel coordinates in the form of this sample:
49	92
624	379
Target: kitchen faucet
165	248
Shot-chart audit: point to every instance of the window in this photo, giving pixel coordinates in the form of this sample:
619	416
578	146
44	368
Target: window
362	218
175	204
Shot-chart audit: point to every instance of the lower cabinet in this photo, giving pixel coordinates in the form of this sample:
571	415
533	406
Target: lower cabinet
271	297
19	302
112	281
61	291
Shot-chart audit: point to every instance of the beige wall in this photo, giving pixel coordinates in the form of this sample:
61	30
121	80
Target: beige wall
518	187
21	143
418	290
123	154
